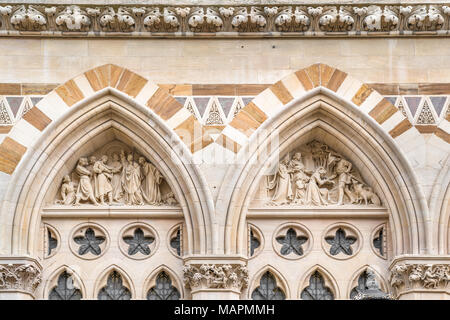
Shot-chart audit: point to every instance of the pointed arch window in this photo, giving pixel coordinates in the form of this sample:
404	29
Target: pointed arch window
114	289
163	289
268	289
65	289
317	289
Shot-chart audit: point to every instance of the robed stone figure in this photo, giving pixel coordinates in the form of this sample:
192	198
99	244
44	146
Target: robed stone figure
150	184
131	180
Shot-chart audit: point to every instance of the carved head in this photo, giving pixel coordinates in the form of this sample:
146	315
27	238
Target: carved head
297	156
321	171
130	157
83	161
92	159
104	158
66	179
141	160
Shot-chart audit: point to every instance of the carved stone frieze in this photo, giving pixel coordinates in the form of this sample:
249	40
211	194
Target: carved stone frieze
19	277
317	175
215	276
115	178
302	20
409	276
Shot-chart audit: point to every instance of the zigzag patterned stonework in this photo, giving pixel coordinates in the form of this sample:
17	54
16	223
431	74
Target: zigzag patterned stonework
285	19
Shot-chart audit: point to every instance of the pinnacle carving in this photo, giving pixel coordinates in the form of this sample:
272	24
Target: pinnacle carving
215	276
23	277
146	20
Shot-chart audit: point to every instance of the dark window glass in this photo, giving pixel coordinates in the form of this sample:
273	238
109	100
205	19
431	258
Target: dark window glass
89	242
52	242
268	289
65	289
114	289
175	242
291	243
163	289
138	243
254	243
378	242
317	289
340	243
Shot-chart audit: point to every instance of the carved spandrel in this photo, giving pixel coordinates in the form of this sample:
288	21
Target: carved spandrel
115	178
315	175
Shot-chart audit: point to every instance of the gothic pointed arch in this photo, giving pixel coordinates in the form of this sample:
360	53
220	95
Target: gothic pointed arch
151	281
72	283
270	276
104	104
324	103
323	278
358	273
114	283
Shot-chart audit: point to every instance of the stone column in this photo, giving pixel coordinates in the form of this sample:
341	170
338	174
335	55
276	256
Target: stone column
421	277
19	278
210	278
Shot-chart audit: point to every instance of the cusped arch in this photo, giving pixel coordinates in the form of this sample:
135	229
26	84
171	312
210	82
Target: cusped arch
329	281
281	281
101	281
354	280
94	102
52	280
371	118
150	280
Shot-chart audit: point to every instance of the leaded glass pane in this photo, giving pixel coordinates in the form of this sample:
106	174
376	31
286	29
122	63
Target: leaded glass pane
254	243
65	289
291	243
341	243
89	242
52	242
268	289
378	242
361	287
317	289
138	242
163	290
114	289
175	242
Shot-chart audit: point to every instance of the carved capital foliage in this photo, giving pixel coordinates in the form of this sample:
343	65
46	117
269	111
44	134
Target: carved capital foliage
268	20
19	277
411	276
215	276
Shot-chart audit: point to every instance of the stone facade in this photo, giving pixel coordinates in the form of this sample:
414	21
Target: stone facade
224	150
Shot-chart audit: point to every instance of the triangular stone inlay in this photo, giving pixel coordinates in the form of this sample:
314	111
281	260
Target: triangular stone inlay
413	104
14	104
438	103
201	104
226	103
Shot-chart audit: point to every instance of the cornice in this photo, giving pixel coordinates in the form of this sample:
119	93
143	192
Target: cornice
224	19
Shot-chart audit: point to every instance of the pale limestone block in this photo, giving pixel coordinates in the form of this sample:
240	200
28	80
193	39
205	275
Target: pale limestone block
146	92
64	47
345	85
53	106
268	102
179	117
352	89
84	85
25	133
235	135
444	125
372	100
391	122
293	85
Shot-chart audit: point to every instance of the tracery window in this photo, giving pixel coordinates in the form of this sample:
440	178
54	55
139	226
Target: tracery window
268	289
65	289
52	242
317	289
114	289
291	242
254	243
90	242
138	242
175	242
341	243
163	289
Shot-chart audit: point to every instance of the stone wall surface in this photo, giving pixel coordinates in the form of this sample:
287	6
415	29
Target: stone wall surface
238	61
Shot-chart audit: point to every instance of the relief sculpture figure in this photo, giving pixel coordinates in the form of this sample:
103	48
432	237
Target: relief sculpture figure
116	181
131	180
102	177
68	192
84	191
281	182
150	184
314	194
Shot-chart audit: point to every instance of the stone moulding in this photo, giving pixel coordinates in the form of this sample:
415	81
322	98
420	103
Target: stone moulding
215	276
231	19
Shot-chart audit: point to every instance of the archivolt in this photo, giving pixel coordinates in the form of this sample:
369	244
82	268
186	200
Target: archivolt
65	138
357	131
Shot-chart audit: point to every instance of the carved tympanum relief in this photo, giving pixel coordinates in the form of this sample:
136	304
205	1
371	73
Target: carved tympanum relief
316	175
115	177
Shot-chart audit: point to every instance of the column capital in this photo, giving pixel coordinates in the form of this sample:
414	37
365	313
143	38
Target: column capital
19	275
420	276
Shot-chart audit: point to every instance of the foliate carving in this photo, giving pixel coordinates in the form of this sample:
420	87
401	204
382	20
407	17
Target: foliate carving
73	19
117	179
215	276
24	277
327	179
425	276
313	20
28	19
